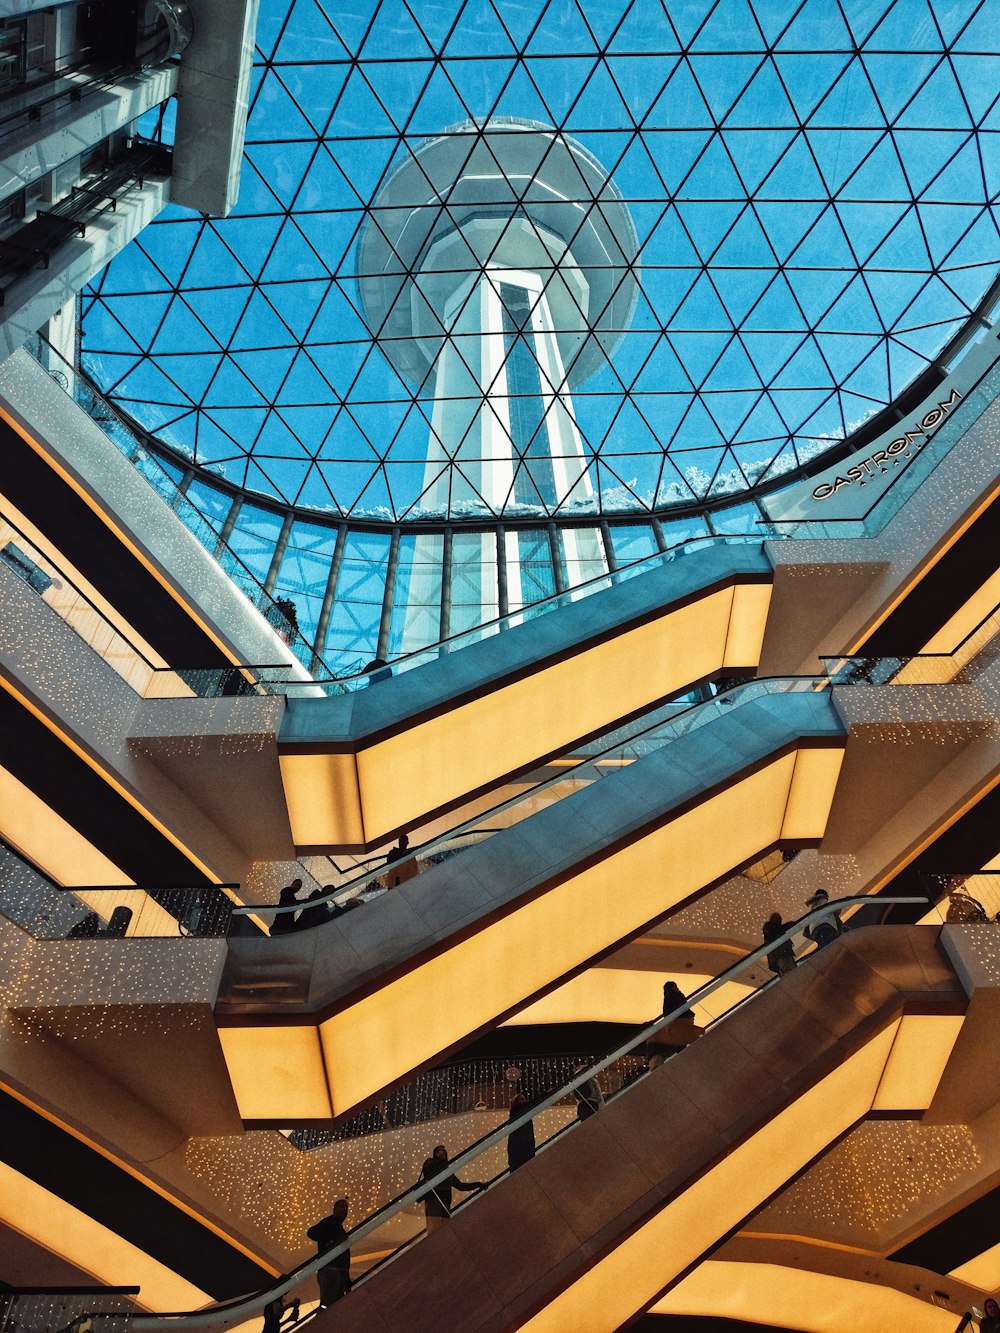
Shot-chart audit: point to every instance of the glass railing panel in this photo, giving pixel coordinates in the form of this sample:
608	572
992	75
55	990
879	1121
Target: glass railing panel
63	1310
641	737
975	652
964	898
119	912
484	1163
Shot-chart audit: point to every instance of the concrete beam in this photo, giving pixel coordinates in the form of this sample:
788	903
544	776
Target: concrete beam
212	102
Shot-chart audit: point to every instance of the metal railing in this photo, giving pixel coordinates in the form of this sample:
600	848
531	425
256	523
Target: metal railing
709	1005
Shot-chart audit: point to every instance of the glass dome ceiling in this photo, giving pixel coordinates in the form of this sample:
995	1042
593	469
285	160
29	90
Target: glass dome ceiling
812	183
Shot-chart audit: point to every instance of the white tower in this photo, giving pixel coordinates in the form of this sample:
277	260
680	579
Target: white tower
496	270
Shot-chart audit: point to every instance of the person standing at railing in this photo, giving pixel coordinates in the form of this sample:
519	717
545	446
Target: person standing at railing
335	1277
437	1201
825	929
781	960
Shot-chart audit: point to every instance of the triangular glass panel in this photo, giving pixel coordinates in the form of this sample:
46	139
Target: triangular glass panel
359	112
978	82
259	327
698	352
305	384
297	303
893	292
674	153
850	101
662	412
714	176
175	244
266	369
275	115
730	26
662	372
600	105
308	35
908	26
879	177
895	78
764	102
795	177
904	247
702	311
220	310
754	153
785	225
938	103
399	86
961	181
180	331
520	98
393	31
818	26
697	467
441	104
707	223
480	32
805	370
746	246
681	104
640	81
944	225
250	240
741	289
315	88
562	31
270	25
645	27
723	78
292	258
840	152
775	16
479	83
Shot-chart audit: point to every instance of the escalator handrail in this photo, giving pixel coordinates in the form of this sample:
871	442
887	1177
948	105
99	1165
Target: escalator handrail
804	683
247	1306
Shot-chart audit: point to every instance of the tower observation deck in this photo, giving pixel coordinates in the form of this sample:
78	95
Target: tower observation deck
496	269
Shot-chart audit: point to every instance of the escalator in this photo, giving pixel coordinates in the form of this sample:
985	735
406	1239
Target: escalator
528	907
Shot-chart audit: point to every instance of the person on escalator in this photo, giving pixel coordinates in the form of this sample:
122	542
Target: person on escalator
681	1031
283	923
437	1201
825	929
781	960
990	1322
589	1098
335	1277
520	1141
275	1311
